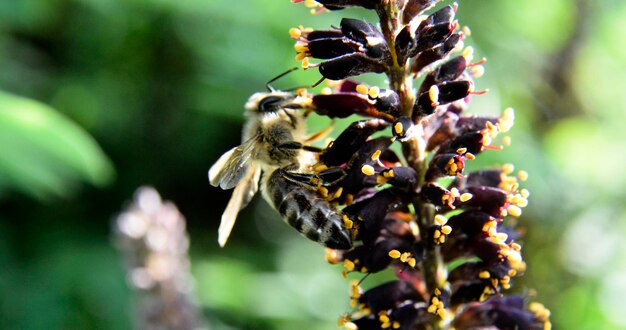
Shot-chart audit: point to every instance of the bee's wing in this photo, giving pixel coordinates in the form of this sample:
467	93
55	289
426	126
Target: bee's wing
243	193
233	165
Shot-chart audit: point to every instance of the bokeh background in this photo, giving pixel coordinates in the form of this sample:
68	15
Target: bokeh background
98	97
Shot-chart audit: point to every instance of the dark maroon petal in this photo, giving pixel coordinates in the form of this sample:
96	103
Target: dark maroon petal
350	65
350	141
332	47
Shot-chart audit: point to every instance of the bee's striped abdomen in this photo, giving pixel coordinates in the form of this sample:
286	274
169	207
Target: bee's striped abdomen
304	210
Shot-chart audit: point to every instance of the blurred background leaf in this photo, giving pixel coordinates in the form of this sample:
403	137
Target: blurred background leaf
43	152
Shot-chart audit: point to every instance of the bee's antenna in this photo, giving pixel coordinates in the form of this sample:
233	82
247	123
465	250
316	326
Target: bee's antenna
306	86
272	89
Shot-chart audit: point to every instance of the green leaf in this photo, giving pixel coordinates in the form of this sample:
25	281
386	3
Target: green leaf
43	154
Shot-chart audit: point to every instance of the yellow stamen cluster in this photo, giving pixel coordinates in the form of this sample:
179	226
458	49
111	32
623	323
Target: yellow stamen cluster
355	293
442	230
405	257
450	197
436	305
332	256
541	313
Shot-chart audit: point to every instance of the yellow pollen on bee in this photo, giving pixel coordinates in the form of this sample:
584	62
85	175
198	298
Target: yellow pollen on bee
394	254
373	92
398	128
522	175
348	265
320	167
433	94
347	223
338	192
440	220
514	210
376	155
484	275
349	199
466	197
506	141
446	230
368	170
362	89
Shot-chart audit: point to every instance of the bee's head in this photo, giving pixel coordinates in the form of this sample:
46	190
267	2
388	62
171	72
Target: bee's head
261	103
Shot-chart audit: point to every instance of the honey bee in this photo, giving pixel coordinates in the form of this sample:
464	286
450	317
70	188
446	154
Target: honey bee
270	147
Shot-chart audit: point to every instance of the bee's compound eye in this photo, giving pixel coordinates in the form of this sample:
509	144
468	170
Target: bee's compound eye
270	103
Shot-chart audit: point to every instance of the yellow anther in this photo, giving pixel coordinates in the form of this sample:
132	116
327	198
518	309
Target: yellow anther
398	128
432	309
433	94
373	92
301	47
514	210
436	234
412	262
446	230
394	254
508	168
467	31
389	173
376	155
441	312
484	275
319	167
466	197
525	193
437	292
440	220
395	325
454	192
347	223
405	256
468	53
348	265
295	33
351	326
470	156
338	193
332	257
461	151
435	301
383	318
326	91
477	71
323	191
506	140
300	56
310	3
368	170
305	62
362	89
516	247
522	175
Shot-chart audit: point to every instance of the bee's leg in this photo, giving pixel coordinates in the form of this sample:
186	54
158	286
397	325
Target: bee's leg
297	145
326	178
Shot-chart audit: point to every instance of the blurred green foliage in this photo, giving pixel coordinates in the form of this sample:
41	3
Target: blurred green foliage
101	96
